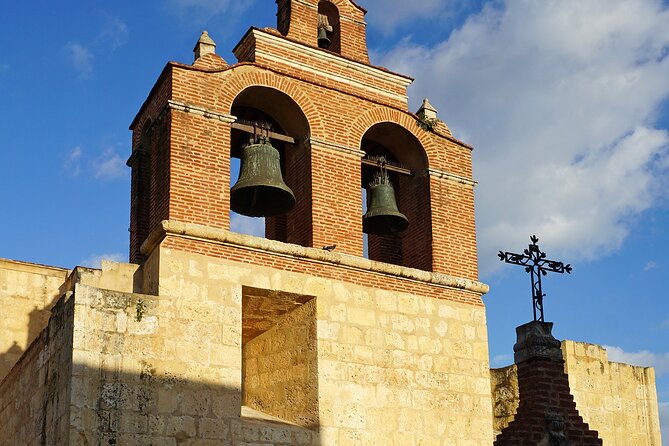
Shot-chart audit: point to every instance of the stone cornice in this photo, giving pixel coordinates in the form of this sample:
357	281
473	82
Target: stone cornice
201	111
442	175
334	146
331	60
251	243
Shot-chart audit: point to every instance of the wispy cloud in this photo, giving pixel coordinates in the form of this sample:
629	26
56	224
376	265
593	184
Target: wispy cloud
651	265
109	165
202	11
95	261
387	15
644	358
502	360
247	225
81	58
72	163
114	32
559	98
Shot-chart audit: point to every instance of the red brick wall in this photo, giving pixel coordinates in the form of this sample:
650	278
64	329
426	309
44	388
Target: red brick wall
303	26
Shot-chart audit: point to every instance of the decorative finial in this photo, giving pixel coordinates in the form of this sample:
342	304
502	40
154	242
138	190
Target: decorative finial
205	45
427	112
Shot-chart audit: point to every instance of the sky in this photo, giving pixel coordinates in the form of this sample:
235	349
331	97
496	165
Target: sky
565	101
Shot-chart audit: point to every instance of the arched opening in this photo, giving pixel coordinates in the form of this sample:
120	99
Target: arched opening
408	164
329	27
267	106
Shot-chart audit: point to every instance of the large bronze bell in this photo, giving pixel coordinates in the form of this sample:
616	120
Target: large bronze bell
260	190
382	217
323	39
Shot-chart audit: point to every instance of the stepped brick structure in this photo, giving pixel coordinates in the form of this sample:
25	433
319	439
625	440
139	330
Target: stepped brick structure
547	413
211	337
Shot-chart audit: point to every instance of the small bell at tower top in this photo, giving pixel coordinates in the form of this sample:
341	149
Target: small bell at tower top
383	217
260	190
323	39
323	28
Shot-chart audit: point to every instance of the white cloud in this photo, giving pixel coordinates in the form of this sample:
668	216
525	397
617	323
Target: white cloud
81	59
559	97
95	261
109	165
114	32
247	225
72	163
388	14
644	358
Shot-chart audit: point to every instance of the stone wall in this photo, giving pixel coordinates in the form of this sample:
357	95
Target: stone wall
27	293
163	370
619	401
393	367
35	395
281	369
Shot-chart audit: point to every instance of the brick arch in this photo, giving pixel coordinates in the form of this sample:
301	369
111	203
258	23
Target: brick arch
239	80
413	248
349	8
381	115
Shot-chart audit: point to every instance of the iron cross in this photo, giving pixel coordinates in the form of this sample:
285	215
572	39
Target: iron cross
537	265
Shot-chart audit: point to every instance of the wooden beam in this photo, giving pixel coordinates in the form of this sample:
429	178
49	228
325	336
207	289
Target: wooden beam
390	168
251	129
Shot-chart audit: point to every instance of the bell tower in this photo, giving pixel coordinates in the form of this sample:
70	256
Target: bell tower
358	315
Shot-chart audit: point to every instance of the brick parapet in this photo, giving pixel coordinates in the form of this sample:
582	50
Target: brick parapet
301	24
255	250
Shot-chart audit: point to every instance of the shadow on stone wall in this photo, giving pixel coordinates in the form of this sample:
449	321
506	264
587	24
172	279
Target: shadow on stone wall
102	391
37	321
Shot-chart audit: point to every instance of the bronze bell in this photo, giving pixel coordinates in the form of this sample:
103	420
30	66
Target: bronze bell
382	217
323	39
260	190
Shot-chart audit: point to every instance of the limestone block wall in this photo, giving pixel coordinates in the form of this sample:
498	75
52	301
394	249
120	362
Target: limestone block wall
618	400
281	369
393	367
35	395
505	396
163	370
27	293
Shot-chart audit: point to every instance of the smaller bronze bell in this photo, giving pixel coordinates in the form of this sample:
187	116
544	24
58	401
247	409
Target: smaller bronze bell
383	217
323	39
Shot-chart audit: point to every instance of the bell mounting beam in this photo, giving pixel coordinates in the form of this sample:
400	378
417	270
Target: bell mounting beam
388	167
261	129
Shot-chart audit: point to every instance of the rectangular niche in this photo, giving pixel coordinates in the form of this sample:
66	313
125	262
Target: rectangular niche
279	355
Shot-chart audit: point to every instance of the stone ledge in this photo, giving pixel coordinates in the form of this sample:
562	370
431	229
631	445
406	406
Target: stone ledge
223	237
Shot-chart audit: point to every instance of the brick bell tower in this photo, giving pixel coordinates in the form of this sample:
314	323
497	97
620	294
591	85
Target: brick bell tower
328	344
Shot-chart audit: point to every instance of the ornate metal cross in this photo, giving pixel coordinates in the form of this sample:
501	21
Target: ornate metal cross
537	265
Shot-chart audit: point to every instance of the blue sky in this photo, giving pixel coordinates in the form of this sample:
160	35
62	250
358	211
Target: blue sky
565	101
